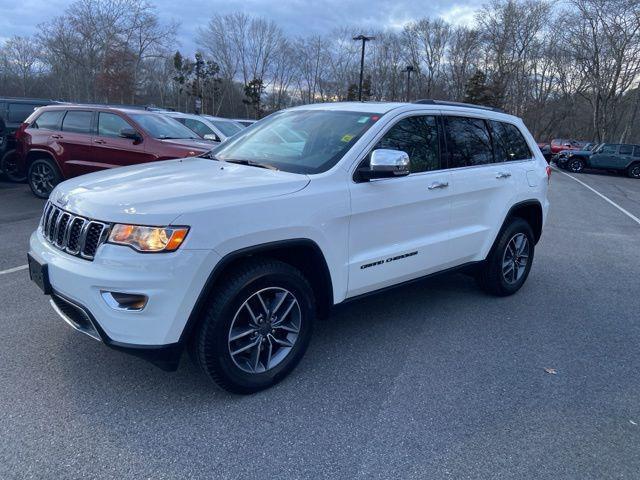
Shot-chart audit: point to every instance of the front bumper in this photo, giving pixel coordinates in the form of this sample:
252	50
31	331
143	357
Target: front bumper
171	281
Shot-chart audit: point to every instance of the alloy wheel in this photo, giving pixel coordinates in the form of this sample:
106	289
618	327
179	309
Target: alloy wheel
42	178
9	166
576	166
515	258
635	171
264	330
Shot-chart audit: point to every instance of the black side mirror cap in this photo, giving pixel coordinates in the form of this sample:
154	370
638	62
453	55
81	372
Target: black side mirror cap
130	133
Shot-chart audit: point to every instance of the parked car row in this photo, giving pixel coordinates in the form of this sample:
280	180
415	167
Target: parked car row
623	158
60	141
558	145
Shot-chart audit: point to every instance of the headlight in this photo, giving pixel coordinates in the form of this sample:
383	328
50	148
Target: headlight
148	239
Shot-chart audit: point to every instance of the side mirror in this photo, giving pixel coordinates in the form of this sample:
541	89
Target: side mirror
212	137
130	133
386	164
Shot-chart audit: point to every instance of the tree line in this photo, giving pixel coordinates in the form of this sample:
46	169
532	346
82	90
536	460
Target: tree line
570	69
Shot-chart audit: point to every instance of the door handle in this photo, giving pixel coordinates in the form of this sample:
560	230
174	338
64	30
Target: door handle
101	142
435	185
503	175
56	136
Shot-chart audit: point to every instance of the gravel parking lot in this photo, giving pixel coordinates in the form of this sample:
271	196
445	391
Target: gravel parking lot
432	380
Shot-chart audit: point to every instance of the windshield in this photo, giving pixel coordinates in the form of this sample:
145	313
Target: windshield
227	128
161	126
298	141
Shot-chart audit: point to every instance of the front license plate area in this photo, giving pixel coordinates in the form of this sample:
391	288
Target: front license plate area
39	275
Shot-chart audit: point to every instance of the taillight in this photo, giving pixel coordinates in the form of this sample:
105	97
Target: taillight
18	133
548	174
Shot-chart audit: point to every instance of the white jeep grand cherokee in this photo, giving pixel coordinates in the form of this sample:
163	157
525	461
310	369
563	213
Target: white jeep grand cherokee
234	254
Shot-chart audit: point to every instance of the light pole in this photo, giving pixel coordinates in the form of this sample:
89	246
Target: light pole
409	69
364	39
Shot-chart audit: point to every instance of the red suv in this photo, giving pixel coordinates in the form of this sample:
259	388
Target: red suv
64	141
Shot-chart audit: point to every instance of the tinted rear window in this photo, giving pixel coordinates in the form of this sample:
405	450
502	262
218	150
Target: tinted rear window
509	144
468	142
50	120
77	121
18	112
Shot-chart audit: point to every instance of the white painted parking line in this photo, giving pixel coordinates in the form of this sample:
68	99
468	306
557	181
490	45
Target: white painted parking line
14	269
627	213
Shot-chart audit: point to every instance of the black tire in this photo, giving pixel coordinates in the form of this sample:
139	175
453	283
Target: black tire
9	166
634	170
43	176
210	344
575	165
491	276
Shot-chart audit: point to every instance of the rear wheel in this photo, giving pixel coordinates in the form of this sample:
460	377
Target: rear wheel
634	170
507	267
575	165
9	166
257	327
43	176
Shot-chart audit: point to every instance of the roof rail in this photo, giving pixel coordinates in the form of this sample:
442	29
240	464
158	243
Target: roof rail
430	101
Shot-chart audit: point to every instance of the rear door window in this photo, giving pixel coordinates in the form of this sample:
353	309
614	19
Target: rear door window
49	120
468	142
110	124
78	121
626	149
508	143
636	151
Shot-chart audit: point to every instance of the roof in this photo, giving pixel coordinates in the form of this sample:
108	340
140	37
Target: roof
42	101
365	107
83	106
422	105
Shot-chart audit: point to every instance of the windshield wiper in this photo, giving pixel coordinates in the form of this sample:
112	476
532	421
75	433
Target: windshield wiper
251	163
209	155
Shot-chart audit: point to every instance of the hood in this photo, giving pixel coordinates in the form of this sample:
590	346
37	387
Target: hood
157	193
203	145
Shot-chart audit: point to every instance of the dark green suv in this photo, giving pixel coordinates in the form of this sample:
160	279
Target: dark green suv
608	156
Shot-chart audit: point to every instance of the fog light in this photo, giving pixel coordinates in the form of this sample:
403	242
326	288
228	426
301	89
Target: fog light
124	301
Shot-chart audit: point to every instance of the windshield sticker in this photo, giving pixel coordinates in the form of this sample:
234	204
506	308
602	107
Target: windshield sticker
363	119
347	138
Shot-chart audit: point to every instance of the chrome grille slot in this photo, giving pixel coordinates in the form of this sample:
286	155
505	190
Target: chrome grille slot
78	236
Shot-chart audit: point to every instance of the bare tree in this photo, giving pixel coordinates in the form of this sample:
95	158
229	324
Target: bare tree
20	55
605	40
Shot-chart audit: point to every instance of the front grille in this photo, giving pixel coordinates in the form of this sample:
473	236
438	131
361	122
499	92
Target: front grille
71	233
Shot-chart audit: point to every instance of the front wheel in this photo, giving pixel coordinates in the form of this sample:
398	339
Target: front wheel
575	165
634	170
43	176
256	328
9	166
508	264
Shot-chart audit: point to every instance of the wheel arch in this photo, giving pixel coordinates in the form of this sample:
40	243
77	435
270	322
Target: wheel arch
37	154
531	212
302	253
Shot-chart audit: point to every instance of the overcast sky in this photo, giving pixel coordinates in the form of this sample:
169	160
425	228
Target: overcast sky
295	17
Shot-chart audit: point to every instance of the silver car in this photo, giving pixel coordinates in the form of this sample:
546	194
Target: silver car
211	128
